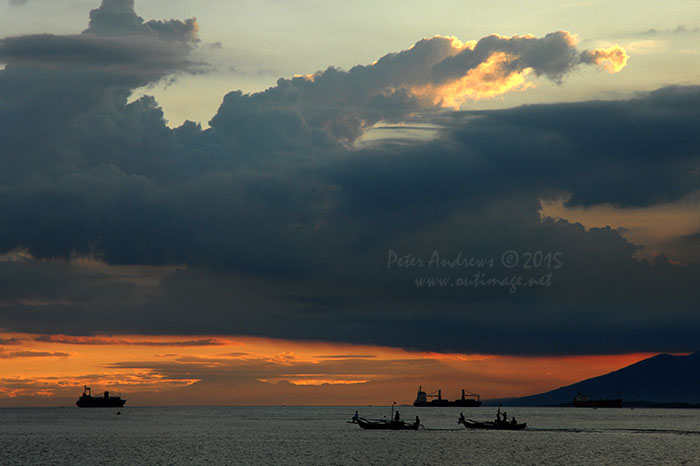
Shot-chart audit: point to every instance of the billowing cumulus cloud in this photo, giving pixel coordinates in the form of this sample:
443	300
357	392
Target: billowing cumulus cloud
496	64
118	18
435	72
271	223
61	94
118	47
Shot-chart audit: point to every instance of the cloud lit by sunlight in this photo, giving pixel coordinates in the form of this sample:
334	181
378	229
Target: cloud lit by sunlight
611	59
490	79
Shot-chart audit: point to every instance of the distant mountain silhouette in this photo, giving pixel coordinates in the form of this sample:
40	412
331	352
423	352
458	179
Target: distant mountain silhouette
660	379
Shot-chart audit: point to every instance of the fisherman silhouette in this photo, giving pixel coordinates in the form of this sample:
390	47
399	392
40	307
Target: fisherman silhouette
397	418
355	416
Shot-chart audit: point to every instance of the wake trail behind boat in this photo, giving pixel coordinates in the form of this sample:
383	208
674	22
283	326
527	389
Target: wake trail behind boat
442	430
632	430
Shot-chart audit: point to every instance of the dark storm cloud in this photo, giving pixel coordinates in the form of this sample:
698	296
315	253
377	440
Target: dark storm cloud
307	259
685	248
346	356
635	152
50	80
11	341
63	98
118	46
132	59
78	340
283	229
627	153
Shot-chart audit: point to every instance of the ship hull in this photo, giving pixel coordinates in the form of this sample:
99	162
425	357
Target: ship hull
446	403
100	403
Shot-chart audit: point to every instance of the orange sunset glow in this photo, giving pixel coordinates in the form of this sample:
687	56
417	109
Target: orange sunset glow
50	370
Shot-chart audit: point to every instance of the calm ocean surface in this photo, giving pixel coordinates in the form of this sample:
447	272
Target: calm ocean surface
313	435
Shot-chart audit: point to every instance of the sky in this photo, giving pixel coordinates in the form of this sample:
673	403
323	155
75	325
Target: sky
333	203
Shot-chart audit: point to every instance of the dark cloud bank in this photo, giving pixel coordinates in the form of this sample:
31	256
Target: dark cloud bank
282	229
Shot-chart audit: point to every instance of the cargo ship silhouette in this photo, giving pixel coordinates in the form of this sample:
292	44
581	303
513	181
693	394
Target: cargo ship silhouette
86	400
467	400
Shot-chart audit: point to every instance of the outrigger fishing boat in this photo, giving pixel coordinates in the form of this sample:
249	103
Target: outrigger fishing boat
393	423
501	423
384	424
470	424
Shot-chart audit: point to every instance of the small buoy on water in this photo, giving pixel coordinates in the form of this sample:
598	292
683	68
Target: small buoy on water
119	413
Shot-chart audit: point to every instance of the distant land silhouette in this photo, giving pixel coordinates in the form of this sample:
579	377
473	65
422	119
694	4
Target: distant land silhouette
662	380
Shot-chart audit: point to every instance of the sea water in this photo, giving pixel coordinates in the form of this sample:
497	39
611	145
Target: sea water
320	435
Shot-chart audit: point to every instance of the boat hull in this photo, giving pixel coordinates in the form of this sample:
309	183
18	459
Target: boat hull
386	425
469	424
